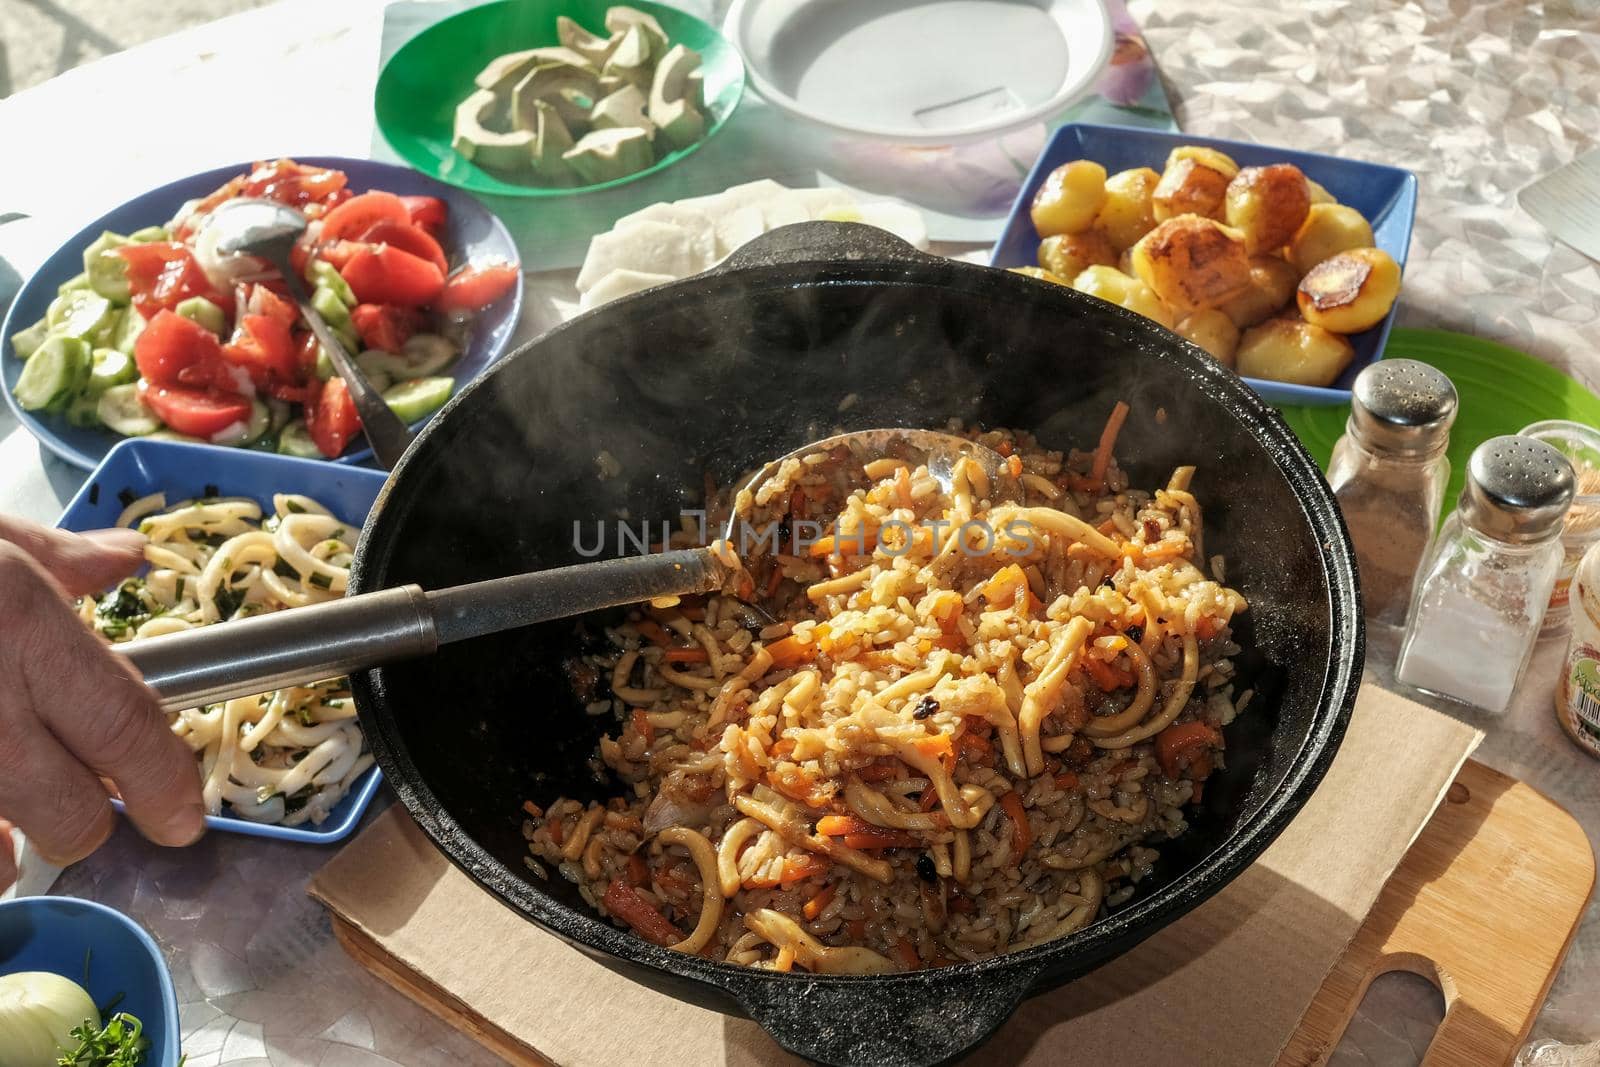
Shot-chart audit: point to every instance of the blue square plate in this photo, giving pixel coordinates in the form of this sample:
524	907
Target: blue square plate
137	468
473	235
1387	196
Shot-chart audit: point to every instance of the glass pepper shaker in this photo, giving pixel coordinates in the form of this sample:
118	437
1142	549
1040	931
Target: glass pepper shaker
1388	472
1481	596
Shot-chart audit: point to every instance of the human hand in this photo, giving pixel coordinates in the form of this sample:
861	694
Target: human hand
72	712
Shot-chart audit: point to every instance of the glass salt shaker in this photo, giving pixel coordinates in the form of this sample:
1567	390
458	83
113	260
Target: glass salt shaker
1389	472
1480	598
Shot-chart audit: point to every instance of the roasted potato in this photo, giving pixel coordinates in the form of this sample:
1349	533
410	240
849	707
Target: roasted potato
1194	183
1128	213
1350	292
1040	273
1067	254
1070	198
1272	283
1192	262
1125	261
1289	350
1319	195
1217	161
1328	230
1267	204
1212	331
1111	284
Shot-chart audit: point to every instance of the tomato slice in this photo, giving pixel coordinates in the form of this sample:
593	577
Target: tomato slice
408	238
264	300
197	412
429	212
355	216
263	347
385	327
296	184
173	349
306	355
163	274
475	288
384	274
331	418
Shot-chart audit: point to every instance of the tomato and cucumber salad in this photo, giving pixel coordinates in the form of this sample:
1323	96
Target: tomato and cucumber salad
163	334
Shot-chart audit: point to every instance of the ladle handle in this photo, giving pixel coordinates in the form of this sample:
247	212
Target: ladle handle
267	652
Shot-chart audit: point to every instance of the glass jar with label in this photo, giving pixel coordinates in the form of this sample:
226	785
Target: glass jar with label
1482	594
1578	689
1581	445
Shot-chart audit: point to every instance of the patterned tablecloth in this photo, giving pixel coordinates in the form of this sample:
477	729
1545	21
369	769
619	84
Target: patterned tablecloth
1478	97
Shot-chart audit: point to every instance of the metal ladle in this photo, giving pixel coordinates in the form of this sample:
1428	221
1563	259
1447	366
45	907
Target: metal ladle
266	652
268	230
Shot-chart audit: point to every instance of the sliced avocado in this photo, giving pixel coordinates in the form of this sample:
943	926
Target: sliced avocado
621	19
26	342
679	120
199	309
604	155
148	234
73	284
630	60
590	46
323	275
477	142
53	374
129	327
109	367
623	108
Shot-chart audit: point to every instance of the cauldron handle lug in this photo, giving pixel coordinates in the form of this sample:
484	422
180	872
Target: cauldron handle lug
910	1020
808	242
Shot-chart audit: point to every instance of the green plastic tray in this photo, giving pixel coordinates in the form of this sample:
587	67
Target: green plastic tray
1501	390
423	82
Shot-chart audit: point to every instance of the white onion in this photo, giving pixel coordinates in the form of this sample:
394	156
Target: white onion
38	1011
223	269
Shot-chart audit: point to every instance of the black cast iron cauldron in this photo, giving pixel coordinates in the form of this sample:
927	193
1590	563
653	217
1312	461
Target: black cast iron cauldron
813	329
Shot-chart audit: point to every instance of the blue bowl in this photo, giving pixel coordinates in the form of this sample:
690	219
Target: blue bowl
57	934
474	236
183	471
1387	196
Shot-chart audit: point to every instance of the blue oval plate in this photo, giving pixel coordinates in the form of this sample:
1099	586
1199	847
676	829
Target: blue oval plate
63	935
184	471
474	235
1386	195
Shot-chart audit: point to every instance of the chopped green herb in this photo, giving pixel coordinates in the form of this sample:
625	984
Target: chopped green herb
303	713
294	507
122	610
320	580
120	1043
216	540
284	570
228	600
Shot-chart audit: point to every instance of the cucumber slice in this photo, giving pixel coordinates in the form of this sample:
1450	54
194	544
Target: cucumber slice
52	374
83	410
129	327
324	364
423	355
149	233
108	276
81	313
110	367
330	307
203	311
165	434
242	433
295	440
104	243
280	412
418	397
122	409
323	276
26	342
380	381
73	284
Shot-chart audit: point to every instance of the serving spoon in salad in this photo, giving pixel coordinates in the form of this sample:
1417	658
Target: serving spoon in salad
268	230
265	652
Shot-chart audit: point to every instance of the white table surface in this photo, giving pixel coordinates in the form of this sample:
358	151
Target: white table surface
1478	98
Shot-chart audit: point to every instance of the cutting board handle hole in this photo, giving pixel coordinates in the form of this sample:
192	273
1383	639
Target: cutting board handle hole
1391	995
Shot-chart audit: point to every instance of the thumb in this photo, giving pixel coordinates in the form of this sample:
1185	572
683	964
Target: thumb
80	563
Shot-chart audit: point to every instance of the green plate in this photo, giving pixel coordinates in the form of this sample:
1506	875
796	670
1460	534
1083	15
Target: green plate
1501	390
421	85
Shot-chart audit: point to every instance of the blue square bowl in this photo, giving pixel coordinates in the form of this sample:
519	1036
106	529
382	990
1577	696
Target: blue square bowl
137	468
63	935
1386	196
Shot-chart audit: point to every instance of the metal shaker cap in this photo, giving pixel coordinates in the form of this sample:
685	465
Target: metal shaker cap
1403	407
1518	489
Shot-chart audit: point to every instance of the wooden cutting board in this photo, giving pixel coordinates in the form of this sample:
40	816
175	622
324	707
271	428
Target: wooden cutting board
1485	904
